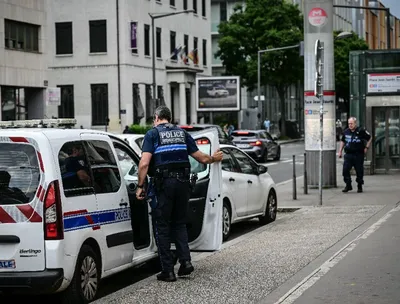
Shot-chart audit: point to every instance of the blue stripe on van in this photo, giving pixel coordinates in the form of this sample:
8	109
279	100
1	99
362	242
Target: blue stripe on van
96	219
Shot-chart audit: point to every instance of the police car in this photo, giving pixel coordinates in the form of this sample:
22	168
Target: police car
68	210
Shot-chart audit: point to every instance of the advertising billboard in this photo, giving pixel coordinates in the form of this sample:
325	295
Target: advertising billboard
383	83
218	93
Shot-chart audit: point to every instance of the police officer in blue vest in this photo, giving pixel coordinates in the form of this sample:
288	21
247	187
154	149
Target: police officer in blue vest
165	157
356	142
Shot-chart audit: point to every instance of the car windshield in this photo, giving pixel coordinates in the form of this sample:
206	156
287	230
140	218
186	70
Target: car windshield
19	173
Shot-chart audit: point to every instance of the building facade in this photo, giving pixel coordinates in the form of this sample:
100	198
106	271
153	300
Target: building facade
100	55
23	54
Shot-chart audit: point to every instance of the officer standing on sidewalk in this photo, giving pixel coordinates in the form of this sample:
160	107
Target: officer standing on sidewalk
356	142
165	157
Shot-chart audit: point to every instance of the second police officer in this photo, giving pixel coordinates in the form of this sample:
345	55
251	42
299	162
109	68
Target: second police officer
165	157
356	142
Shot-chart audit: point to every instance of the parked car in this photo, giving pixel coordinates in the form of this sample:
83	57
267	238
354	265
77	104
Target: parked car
134	140
259	144
218	92
223	138
248	191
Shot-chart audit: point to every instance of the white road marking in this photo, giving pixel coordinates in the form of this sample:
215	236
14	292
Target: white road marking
297	291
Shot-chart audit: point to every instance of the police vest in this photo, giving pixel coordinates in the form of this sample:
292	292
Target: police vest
171	149
354	142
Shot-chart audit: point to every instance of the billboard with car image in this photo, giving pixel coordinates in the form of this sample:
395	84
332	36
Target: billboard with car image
218	93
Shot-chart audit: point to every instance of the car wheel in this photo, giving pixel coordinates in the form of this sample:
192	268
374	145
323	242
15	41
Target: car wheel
85	282
278	154
270	209
226	221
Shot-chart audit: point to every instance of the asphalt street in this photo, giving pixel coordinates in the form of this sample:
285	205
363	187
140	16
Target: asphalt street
282	170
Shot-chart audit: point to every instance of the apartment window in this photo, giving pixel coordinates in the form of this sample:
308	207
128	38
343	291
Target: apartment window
204	52
99	104
172	39
158	42
64	38
195	6
147	40
195	51
21	36
98	36
186	44
195	43
67	108
223	16
172	3
203	8
185	4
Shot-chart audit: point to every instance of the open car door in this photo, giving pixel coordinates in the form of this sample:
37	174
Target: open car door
205	204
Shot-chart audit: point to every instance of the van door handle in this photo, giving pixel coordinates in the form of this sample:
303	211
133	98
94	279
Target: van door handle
123	204
9	239
231	179
249	182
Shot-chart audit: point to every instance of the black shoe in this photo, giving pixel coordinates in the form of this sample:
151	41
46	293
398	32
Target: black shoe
359	189
166	277
185	269
347	188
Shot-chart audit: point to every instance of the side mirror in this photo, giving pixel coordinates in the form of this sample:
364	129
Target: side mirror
262	169
275	138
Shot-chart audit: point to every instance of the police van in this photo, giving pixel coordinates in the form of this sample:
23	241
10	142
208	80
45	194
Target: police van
68	210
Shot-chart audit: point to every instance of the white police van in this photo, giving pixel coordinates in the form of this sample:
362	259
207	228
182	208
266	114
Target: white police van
58	235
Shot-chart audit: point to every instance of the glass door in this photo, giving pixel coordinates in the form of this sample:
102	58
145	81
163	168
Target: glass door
386	139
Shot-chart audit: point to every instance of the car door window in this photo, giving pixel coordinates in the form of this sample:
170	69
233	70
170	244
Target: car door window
75	171
103	166
128	163
195	167
246	165
139	142
269	136
263	135
228	163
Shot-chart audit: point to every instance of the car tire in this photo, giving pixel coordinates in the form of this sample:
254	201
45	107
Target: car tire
271	209
278	154
87	273
226	221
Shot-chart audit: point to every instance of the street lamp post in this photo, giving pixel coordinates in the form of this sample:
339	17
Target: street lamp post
154	16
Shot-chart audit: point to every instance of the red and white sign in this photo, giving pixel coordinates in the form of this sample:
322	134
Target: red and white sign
317	16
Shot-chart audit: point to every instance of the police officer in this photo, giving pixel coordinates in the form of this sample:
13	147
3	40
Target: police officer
165	155
356	142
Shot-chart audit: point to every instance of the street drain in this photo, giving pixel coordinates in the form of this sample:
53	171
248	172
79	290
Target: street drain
287	210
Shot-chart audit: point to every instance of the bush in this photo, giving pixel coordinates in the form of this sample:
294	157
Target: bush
138	129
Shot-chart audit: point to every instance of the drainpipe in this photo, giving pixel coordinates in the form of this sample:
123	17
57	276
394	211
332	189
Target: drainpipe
118	64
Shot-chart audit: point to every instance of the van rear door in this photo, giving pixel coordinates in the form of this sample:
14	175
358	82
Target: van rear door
21	206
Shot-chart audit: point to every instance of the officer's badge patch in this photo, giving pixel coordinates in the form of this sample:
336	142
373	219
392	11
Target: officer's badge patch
81	162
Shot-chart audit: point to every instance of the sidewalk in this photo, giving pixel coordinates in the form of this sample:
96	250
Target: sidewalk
289	141
249	268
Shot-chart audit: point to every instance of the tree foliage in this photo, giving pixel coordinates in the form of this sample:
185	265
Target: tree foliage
260	25
342	74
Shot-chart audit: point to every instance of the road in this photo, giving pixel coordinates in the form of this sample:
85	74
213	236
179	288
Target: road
282	170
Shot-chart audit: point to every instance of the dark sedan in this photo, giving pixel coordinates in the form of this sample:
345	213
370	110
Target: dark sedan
259	144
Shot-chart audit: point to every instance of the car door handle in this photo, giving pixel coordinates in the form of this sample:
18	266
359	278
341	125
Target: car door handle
123	204
249	182
231	179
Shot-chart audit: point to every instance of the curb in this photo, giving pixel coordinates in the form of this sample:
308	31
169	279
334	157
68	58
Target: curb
290	141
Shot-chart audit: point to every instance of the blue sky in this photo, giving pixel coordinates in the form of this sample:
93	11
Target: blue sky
394	6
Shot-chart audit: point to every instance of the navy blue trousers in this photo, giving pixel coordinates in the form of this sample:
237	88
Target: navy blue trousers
355	160
169	221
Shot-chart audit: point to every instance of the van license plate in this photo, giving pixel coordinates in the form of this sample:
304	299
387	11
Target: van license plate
7	264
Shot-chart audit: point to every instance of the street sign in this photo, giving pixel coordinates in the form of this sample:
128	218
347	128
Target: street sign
317	17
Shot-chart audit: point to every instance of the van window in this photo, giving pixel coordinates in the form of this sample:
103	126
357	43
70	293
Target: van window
199	168
75	172
103	166
19	173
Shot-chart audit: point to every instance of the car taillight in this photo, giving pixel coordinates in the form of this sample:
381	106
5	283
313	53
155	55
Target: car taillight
257	143
203	142
53	225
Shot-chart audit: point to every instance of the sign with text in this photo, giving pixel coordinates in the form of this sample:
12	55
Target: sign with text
53	96
312	121
383	83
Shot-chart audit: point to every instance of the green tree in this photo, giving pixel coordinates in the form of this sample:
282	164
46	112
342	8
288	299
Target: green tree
260	25
342	51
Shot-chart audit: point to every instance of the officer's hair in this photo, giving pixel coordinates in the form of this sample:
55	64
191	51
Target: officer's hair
163	113
353	118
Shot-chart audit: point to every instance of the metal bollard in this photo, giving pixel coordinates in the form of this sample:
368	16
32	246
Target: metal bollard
294	178
305	174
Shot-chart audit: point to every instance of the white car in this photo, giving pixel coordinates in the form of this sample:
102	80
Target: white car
218	92
134	140
248	191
